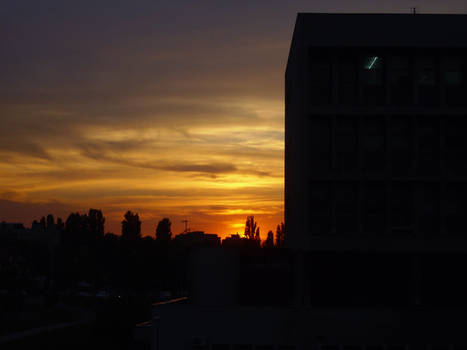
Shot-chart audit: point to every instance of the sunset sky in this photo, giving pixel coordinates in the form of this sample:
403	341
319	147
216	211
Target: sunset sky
166	108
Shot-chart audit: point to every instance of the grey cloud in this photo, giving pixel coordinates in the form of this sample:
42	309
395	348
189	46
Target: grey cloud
181	166
209	168
22	146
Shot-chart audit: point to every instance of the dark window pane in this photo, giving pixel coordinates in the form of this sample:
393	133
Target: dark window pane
374	208
426	80
348	77
401	148
428	145
442	283
455	85
374	144
456	209
372	80
321	80
346	144
320	206
346	208
400	80
456	145
370	280
320	145
401	208
428	209
452	72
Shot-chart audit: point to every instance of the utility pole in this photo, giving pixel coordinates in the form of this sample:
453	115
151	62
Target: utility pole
186	226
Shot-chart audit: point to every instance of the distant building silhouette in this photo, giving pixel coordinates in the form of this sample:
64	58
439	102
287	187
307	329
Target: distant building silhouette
17	232
197	239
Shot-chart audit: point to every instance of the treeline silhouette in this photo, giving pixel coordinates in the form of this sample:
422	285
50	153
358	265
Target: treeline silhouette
77	252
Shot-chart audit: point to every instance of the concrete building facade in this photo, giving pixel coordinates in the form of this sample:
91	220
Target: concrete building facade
375	159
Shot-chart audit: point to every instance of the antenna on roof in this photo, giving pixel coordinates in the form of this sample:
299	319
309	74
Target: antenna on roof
186	226
414	10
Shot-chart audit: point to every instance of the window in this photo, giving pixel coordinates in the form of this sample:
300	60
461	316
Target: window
426	80
454	80
428	146
371	68
346	143
199	343
401	208
374	208
456	145
374	151
456	208
320	206
321	80
442	284
452	73
401	148
346	208
400	80
428	209
320	145
348	81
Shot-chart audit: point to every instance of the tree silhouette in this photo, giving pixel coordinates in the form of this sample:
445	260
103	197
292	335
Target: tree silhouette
77	229
251	228
163	230
280	234
269	243
50	222
131	226
36	226
42	224
60	224
96	223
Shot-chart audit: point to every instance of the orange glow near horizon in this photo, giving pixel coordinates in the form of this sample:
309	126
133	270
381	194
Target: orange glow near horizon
214	176
134	111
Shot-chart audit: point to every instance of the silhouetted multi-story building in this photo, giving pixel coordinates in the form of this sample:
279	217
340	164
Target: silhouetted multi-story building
376	157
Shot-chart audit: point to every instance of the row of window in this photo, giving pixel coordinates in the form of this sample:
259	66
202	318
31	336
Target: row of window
395	79
380	208
404	145
387	279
